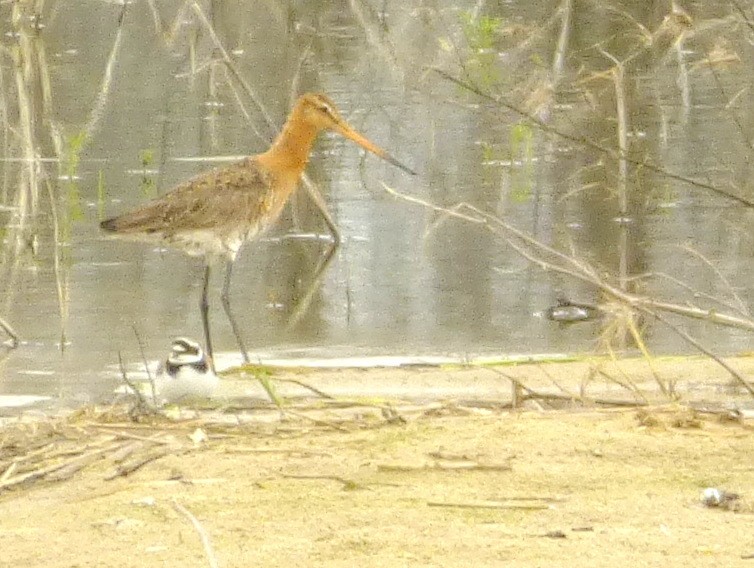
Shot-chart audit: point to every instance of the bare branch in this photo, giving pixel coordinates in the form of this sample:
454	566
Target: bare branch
211	558
549	258
736	375
591	144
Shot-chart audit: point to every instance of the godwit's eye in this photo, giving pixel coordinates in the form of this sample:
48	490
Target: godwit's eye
325	108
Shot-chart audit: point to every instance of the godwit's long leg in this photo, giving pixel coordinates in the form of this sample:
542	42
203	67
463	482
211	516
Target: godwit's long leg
204	308
225	298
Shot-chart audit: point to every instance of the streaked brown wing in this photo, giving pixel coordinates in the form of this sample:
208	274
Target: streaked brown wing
223	197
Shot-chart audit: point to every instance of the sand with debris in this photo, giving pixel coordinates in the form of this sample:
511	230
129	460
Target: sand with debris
433	484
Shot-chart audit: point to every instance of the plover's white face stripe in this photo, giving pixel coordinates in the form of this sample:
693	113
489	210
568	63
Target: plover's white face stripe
185	374
185	351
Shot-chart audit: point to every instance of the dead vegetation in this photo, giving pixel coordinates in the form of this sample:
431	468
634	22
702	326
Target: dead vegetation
125	438
502	477
441	486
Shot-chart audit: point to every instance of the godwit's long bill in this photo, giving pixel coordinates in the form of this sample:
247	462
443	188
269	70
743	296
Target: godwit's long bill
214	213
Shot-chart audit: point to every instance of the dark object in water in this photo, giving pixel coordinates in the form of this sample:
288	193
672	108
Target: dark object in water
566	311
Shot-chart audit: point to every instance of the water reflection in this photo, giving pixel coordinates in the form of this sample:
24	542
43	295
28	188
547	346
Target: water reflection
99	125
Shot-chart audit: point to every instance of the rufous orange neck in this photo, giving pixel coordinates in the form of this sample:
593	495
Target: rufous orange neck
289	153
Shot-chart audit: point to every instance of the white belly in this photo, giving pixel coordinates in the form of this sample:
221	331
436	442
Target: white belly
186	385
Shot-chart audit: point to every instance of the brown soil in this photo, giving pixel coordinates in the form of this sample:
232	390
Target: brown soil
451	486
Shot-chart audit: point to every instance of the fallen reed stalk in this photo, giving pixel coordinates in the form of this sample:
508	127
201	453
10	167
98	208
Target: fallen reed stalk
551	259
206	543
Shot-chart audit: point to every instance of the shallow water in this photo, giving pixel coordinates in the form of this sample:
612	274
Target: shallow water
405	280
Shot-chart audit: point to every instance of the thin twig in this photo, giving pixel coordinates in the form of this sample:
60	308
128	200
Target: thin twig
156	19
211	559
126	469
525	245
6	327
584	272
142	406
229	63
531	394
10	470
154	439
736	375
741	305
348	484
146	365
565	12
178	22
98	110
590	143
59	269
695	292
489	505
241	105
43	472
444	466
317	421
306	386
743	15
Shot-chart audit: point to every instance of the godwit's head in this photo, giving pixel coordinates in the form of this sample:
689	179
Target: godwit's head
320	112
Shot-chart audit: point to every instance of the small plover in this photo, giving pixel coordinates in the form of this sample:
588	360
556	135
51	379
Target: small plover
185	375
